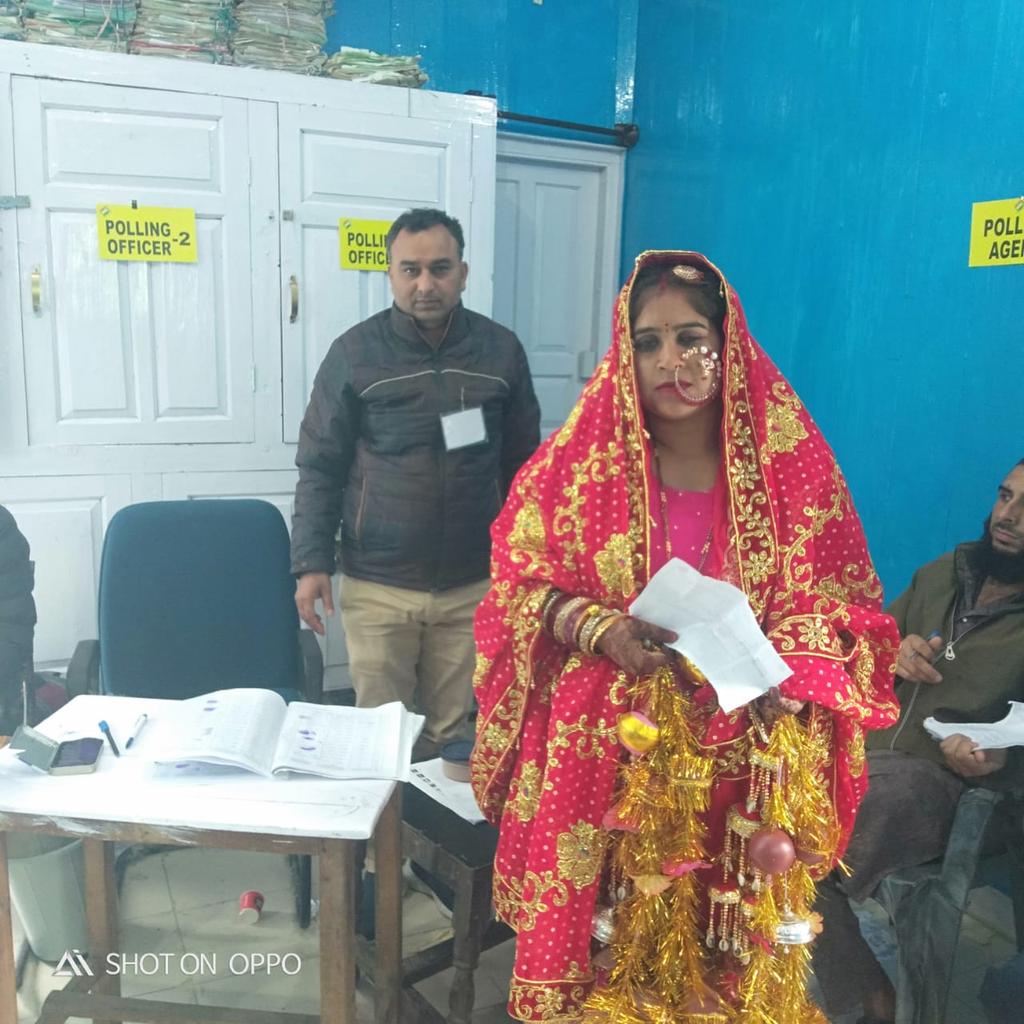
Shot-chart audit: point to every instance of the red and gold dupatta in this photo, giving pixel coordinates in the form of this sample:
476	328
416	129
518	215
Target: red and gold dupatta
546	764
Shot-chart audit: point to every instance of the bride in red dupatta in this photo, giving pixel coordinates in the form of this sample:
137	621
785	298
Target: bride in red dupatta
657	856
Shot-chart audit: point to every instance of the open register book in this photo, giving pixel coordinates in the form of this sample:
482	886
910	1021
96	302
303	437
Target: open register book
255	729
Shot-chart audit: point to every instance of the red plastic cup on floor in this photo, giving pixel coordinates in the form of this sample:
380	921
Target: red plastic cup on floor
250	906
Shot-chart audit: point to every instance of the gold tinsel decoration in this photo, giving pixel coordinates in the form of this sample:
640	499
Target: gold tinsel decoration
663	972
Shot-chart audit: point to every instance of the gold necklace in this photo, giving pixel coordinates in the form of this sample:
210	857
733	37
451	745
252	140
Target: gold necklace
664	517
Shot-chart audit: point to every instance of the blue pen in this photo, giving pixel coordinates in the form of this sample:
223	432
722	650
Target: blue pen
105	729
139	725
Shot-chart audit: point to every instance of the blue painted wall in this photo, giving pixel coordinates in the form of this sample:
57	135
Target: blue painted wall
826	157
556	59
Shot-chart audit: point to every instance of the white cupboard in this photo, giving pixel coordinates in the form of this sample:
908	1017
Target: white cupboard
124	382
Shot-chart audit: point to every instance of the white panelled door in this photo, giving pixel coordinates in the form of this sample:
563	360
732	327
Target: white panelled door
556	259
364	165
134	353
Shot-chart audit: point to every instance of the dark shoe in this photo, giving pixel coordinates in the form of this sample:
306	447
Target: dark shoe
366	911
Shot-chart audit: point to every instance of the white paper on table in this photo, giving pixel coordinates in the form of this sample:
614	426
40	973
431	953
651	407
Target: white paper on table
1007	732
429	777
717	631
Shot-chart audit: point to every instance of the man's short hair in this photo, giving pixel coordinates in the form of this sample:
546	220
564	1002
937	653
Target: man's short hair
423	219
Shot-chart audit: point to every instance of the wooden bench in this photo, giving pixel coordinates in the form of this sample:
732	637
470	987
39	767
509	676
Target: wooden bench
462	856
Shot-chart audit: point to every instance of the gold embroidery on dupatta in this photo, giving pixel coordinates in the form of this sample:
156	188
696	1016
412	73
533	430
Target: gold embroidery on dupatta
785	431
568	521
497	734
547	1001
525	791
580	853
849	589
527	897
614	563
855	751
528	530
481	668
755	530
597	741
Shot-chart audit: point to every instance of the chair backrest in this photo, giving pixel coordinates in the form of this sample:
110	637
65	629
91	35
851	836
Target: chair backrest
196	596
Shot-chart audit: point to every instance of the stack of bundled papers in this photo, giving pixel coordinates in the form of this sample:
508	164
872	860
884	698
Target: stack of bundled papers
90	24
366	66
192	29
285	35
10	20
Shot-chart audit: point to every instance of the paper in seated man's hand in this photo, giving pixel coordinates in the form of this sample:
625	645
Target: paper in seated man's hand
915	659
635	645
968	760
313	586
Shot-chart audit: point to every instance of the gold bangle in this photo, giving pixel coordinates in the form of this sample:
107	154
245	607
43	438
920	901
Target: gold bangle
549	601
577	623
586	640
595	618
563	613
602	627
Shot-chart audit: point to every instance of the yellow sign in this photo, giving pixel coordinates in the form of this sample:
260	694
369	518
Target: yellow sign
362	244
997	233
154	234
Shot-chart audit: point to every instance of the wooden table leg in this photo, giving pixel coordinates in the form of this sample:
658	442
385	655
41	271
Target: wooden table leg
101	915
8	985
387	975
337	932
470	918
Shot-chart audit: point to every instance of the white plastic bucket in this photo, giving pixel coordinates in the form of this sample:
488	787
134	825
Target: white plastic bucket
48	892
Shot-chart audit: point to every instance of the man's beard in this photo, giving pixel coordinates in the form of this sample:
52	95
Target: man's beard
1003	568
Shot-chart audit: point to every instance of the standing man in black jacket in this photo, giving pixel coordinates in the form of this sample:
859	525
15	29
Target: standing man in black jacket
419	418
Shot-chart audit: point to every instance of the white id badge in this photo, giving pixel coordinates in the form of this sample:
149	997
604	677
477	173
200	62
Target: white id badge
463	428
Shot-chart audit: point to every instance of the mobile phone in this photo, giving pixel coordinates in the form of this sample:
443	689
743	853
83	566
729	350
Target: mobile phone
76	757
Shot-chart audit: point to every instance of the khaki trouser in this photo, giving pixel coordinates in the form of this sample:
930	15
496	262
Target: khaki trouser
414	646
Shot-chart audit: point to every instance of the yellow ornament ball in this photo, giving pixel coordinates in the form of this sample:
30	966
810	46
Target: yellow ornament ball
637	733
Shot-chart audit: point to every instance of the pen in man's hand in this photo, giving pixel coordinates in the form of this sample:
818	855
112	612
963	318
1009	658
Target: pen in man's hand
105	729
140	724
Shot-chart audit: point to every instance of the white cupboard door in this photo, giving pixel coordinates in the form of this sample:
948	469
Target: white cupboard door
133	353
556	255
338	164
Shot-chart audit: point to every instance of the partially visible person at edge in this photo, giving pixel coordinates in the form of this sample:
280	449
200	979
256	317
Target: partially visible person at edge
961	659
17	620
670	885
414	490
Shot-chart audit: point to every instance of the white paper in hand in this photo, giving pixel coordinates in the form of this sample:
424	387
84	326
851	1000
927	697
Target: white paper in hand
1007	732
717	631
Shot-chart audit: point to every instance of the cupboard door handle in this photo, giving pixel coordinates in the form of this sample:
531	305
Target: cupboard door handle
293	283
36	279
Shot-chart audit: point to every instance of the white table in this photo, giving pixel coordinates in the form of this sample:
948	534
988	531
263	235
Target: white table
127	799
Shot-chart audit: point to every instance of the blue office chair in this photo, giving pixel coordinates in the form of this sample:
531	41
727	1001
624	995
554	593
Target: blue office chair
196	596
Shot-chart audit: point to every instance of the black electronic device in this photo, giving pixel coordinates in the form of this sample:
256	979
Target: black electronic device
69	757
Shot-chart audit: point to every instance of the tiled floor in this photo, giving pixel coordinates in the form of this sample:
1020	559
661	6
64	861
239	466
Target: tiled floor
186	902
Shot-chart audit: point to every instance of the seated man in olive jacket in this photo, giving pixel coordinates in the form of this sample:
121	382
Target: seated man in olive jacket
961	659
17	619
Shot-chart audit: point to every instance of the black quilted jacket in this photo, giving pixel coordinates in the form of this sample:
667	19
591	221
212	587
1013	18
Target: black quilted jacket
372	455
